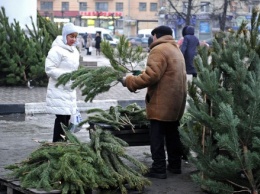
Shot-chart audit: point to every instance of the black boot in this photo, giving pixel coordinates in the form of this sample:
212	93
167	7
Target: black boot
174	170
153	173
174	165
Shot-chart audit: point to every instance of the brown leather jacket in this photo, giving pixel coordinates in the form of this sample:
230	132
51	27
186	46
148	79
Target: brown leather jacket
165	79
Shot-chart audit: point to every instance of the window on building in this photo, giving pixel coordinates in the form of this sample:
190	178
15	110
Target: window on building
185	7
119	24
119	6
82	6
142	6
65	6
153	6
204	7
101	6
46	5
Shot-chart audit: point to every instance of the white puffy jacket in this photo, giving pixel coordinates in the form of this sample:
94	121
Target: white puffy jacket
61	59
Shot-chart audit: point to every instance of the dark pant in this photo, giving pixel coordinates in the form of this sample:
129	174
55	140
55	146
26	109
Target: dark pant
165	134
58	131
88	52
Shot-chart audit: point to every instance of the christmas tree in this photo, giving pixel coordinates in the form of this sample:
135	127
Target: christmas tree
78	167
123	59
22	53
223	116
75	167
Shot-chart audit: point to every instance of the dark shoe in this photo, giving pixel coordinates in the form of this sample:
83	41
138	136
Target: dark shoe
153	174
174	170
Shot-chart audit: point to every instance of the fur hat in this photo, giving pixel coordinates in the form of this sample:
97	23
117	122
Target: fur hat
68	29
162	30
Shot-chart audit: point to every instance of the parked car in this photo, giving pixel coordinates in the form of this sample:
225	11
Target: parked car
105	34
144	33
204	43
116	39
136	41
145	42
209	41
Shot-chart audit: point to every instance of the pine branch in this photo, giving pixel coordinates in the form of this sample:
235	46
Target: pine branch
118	117
71	166
123	55
224	101
91	81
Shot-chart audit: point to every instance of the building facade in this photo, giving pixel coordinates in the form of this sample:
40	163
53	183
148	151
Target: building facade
205	15
120	16
128	16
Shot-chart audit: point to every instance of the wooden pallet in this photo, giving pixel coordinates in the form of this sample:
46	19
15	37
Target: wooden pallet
14	187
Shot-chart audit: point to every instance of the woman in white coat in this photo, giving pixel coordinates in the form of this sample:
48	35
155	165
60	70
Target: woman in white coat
63	57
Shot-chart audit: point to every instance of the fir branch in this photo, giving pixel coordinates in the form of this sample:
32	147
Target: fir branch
245	189
137	163
76	166
109	138
111	174
123	55
116	149
91	81
97	144
118	117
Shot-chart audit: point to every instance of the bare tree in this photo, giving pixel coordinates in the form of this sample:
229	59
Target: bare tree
185	16
193	9
223	17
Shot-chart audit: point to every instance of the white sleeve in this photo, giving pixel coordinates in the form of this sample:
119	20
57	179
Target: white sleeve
53	62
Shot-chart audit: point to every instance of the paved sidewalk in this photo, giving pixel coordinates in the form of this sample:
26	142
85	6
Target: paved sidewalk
18	140
18	135
31	101
22	95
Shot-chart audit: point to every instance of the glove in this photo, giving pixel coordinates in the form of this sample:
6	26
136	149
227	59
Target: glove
122	80
136	72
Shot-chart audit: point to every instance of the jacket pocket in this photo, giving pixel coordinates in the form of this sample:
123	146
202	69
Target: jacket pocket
147	98
150	94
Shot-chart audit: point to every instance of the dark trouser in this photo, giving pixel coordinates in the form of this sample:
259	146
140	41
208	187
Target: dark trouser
160	133
58	131
88	52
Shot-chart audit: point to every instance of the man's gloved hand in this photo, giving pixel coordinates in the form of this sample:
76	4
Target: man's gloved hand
136	72
122	80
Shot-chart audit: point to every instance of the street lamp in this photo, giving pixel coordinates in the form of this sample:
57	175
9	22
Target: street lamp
46	13
80	20
62	12
113	20
98	17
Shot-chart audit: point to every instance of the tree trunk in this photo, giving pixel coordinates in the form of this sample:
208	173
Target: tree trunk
223	17
188	13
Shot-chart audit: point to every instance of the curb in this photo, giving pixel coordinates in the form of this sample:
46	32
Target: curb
12	108
40	107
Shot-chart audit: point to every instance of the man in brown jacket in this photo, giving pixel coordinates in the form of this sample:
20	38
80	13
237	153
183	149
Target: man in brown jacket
165	79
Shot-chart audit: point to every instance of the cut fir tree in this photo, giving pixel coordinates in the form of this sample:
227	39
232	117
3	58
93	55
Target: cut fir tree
226	112
123	59
118	117
23	52
76	167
